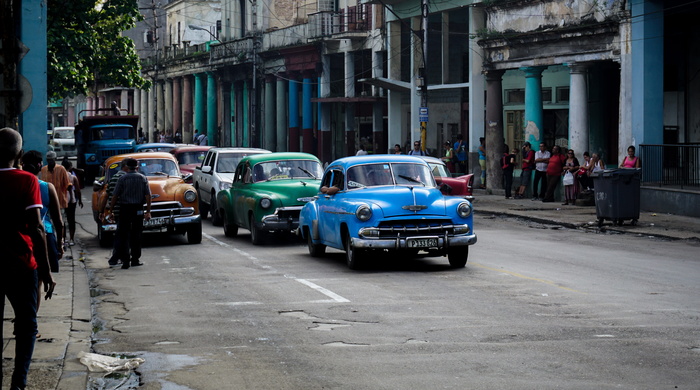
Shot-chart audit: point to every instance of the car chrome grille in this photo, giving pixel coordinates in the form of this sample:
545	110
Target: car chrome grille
170	209
417	227
284	213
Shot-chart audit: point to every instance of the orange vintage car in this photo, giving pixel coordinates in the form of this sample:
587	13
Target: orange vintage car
174	204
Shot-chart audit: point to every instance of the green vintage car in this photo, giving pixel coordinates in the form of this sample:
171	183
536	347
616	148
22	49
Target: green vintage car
268	192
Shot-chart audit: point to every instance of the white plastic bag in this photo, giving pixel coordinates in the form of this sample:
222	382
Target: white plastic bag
568	179
109	364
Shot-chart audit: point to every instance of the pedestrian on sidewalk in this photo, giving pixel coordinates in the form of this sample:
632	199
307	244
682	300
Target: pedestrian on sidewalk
508	164
50	211
23	262
555	167
539	186
571	167
131	192
75	199
114	211
448	158
630	160
482	161
526	174
460	153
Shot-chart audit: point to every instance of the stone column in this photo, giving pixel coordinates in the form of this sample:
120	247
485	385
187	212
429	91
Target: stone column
160	102
187	110
293	115
578	110
324	122
177	107
269	139
145	114
394	98
477	84
349	93
281	109
124	102
212	133
200	119
137	103
533	105
101	101
168	107
151	112
494	129
307	123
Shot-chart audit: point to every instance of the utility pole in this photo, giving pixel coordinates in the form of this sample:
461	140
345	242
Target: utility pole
423	112
254	97
155	73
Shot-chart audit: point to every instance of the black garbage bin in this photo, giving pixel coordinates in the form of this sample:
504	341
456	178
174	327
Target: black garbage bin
617	195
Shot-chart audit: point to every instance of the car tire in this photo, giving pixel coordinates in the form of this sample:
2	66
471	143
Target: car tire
458	257
353	255
230	229
203	207
106	239
215	212
315	250
194	233
256	234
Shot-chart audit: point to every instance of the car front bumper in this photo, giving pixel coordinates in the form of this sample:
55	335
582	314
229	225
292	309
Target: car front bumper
443	242
159	222
284	219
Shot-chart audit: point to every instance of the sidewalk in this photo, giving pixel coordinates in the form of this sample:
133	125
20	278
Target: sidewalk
65	329
65	320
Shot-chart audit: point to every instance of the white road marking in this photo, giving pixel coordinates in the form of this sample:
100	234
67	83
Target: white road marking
334	297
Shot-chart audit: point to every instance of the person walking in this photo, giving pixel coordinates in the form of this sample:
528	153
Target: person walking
131	192
482	161
23	262
539	185
555	167
75	199
114	259
460	152
50	212
58	176
416	151
526	174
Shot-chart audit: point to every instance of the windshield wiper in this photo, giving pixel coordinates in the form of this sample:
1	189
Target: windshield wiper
412	179
307	172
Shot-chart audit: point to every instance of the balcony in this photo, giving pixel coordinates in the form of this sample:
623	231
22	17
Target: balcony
351	22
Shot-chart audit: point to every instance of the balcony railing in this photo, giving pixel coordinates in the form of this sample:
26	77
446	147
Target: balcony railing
671	165
350	19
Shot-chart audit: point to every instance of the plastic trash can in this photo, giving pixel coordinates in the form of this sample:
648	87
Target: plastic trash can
617	195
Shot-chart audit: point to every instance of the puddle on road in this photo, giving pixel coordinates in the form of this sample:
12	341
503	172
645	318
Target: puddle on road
155	368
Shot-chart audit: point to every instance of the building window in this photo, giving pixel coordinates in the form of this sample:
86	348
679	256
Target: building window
515	96
562	94
547	95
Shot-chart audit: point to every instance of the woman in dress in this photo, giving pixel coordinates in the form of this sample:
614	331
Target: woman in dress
571	190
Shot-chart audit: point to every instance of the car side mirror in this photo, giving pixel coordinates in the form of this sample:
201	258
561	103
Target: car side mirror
206	169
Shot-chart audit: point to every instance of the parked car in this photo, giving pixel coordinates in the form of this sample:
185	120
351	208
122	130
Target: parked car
63	142
216	174
189	157
174	205
386	203
457	186
154	147
268	192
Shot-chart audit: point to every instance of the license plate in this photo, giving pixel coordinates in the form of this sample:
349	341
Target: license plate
153	222
422	242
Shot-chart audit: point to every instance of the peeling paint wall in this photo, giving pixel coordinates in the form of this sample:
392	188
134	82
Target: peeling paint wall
534	16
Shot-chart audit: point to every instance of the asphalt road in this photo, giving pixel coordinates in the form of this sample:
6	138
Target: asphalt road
535	308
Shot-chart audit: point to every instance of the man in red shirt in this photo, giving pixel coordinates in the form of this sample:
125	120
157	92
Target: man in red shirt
23	260
554	170
527	167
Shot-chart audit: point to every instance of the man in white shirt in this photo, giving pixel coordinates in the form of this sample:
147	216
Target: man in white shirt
541	160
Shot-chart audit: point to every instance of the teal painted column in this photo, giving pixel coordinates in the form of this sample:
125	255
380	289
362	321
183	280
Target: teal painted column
212	109
647	72
293	116
234	115
200	120
307	116
246	114
32	33
533	104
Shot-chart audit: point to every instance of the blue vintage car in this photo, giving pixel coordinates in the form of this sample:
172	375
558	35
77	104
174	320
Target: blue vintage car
386	203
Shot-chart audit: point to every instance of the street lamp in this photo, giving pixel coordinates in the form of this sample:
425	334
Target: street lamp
193	27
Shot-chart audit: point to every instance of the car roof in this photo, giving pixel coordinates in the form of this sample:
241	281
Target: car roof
432	160
376	158
140	156
190	148
155	145
258	158
239	150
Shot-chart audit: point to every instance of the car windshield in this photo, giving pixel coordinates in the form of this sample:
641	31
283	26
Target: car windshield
439	170
287	169
383	174
112	133
63	134
158	167
194	157
227	162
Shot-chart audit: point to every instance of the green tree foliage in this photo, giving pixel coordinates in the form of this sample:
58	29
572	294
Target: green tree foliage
86	49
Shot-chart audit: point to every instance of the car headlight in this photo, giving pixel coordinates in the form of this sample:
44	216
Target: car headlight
224	185
363	213
265	203
92	158
190	196
464	209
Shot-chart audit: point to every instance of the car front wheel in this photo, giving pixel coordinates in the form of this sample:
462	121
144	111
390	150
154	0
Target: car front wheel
352	254
194	233
203	207
458	257
315	250
215	212
256	235
230	228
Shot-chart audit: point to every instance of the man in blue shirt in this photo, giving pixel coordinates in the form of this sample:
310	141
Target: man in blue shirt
461	155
